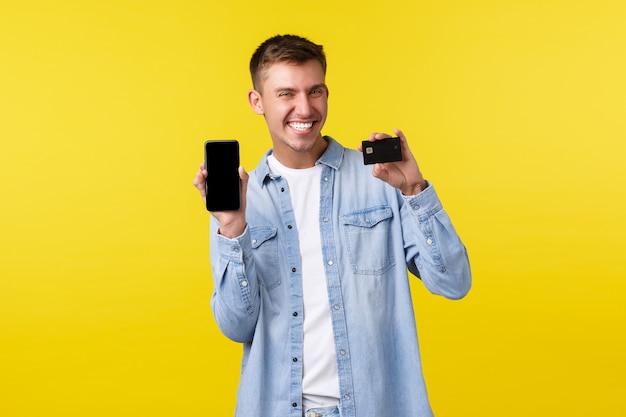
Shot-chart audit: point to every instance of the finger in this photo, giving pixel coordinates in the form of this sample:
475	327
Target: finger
200	183
400	134
404	143
379	171
377	136
244	177
202	170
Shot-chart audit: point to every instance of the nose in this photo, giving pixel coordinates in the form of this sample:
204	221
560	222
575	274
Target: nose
303	106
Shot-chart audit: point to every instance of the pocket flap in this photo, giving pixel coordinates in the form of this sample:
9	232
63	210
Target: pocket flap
368	217
262	234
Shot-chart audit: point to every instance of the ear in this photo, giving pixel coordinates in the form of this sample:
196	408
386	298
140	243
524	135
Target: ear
256	101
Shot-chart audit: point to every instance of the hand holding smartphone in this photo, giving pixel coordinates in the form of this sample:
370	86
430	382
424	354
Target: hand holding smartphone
223	185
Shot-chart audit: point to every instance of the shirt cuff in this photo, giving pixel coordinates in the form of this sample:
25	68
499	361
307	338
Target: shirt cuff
425	203
235	248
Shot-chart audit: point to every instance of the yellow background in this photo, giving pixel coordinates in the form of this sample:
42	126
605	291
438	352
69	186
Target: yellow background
514	109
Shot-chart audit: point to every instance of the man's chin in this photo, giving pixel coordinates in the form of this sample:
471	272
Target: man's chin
303	144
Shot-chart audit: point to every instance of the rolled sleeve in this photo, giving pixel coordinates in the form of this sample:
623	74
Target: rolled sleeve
235	299
441	259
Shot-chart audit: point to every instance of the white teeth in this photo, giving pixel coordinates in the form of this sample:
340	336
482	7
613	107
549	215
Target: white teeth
301	126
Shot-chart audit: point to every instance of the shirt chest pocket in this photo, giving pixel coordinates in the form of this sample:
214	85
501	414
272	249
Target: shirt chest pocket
367	239
265	250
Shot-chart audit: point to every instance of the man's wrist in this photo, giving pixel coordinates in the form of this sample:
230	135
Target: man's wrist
415	189
232	230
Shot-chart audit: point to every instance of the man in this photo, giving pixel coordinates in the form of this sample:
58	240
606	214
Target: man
311	273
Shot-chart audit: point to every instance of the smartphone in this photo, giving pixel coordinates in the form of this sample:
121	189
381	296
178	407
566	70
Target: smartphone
383	150
223	186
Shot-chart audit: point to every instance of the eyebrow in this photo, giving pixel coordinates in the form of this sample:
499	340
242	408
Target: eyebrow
322	85
290	89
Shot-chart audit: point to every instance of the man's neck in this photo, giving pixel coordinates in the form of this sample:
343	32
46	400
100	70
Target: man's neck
301	160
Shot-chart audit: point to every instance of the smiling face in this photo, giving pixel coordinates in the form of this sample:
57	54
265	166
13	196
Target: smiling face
293	98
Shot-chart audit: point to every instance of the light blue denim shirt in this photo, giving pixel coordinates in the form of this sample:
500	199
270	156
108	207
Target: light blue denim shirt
370	234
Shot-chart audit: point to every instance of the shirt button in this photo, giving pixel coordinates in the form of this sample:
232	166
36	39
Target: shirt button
336	306
346	397
282	189
342	352
289	227
254	241
295	314
416	207
236	249
367	221
293	269
325	179
429	241
244	283
330	263
294	405
295	359
325	219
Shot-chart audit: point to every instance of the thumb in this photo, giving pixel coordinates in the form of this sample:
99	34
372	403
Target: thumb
244	177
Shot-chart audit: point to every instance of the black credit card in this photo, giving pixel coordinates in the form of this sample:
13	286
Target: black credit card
383	150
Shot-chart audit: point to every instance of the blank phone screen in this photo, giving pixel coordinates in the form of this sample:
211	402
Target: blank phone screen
222	182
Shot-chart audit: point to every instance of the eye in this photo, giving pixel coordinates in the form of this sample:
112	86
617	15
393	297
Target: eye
284	94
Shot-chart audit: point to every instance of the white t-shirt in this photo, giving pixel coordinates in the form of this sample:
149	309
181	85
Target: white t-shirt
320	381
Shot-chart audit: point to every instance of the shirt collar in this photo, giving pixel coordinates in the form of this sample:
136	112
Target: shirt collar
332	157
